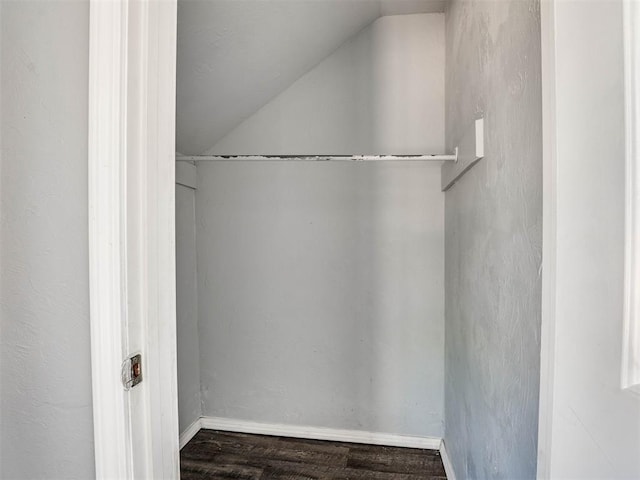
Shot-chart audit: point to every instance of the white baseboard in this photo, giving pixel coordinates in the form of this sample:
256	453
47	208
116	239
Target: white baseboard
446	461
190	432
317	433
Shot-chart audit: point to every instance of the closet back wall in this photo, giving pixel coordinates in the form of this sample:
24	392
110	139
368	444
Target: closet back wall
321	285
321	295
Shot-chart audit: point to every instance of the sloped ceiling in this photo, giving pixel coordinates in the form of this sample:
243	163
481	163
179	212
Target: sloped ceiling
236	55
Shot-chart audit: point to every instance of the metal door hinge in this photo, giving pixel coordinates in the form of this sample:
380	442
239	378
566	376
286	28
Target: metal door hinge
132	371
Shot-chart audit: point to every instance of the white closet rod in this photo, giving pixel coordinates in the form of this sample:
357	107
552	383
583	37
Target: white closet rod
315	158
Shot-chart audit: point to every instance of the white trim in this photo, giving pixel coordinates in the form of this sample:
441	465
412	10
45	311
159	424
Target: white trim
549	235
630	371
320	433
161	340
446	461
107	157
132	235
190	432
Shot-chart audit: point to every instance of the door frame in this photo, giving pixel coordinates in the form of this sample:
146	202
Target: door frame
630	371
549	232
120	50
630	348
132	71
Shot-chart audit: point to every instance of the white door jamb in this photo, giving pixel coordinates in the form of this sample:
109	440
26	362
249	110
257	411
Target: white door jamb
132	128
549	228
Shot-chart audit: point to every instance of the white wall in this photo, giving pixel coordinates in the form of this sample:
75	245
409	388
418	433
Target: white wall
46	425
189	408
321	284
380	92
493	241
234	56
321	294
592	427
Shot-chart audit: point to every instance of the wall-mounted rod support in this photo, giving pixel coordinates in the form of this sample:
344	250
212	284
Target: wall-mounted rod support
468	152
315	158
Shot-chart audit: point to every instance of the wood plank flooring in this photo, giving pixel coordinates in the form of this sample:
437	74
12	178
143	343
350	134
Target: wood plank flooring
213	454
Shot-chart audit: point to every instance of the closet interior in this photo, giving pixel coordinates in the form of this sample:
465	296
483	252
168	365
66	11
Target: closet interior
315	143
311	293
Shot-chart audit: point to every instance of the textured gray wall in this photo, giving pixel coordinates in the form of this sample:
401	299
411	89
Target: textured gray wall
493	220
46	426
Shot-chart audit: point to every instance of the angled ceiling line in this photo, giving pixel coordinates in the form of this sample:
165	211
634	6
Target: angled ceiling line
236	56
297	79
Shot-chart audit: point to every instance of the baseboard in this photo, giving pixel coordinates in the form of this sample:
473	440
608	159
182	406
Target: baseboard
190	432
446	461
319	433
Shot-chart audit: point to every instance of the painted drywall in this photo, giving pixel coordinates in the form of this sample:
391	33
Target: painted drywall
189	408
46	420
493	221
408	7
380	92
592	426
321	294
235	56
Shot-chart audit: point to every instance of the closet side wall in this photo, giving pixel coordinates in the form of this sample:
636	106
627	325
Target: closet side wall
189	408
493	241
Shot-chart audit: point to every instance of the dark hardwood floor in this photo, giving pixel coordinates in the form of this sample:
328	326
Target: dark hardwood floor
212	454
